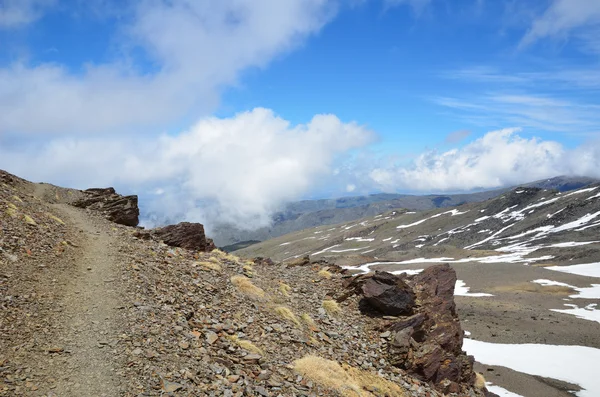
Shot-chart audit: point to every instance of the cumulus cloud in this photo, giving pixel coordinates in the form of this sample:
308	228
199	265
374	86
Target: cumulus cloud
195	47
237	169
499	158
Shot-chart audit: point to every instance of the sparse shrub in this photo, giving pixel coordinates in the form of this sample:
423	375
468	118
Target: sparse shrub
209	266
17	199
246	345
284	289
346	380
29	220
244	284
287	314
324	273
331	306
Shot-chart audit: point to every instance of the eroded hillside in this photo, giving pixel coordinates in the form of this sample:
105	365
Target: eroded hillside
94	308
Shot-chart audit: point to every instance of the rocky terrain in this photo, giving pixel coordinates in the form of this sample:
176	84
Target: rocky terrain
90	305
313	213
528	265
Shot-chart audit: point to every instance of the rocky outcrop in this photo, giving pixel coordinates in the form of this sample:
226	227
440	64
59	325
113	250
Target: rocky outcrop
116	208
389	294
426	339
185	235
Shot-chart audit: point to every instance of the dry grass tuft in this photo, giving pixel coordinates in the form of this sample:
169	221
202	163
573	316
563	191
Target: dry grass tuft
536	288
209	266
284	289
17	199
244	284
479	381
346	380
214	259
324	273
12	211
246	345
543	264
29	220
331	307
308	320
287	314
56	219
224	256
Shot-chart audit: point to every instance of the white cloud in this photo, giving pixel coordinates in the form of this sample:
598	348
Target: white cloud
197	47
544	112
561	18
239	169
500	158
18	13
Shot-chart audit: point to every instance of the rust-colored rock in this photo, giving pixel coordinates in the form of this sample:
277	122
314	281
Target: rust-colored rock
427	338
185	235
116	208
434	334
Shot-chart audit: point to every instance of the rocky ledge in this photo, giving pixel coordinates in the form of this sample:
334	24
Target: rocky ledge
115	207
425	332
184	235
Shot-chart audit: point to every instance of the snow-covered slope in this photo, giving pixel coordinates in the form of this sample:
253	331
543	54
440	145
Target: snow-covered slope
525	225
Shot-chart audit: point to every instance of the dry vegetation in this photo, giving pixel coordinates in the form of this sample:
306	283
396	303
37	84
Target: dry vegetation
331	306
209	265
346	380
536	288
244	285
246	345
324	273
287	314
284	289
308	320
479	381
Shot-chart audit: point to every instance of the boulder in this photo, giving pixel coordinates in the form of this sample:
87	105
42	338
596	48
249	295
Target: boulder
388	294
185	235
116	208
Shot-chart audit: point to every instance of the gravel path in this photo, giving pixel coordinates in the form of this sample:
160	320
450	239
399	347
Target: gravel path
89	315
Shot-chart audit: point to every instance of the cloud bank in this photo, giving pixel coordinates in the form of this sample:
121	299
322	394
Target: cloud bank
499	158
238	169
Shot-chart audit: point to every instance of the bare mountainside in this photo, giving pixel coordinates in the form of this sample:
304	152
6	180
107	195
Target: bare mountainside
92	306
312	213
528	264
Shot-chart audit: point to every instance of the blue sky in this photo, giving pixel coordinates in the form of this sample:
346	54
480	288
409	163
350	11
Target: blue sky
229	109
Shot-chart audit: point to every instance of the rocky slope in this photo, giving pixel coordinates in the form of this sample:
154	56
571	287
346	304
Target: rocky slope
92	307
312	213
528	264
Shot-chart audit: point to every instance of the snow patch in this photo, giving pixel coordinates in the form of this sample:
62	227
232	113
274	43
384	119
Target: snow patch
573	364
461	289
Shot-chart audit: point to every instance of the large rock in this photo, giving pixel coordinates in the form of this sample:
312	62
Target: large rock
185	235
429	344
426	339
116	208
388	294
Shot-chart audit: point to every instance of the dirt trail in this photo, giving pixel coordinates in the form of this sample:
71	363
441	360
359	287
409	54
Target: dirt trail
87	323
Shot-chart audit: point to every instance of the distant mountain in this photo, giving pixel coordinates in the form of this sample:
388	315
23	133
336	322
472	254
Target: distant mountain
523	225
313	213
